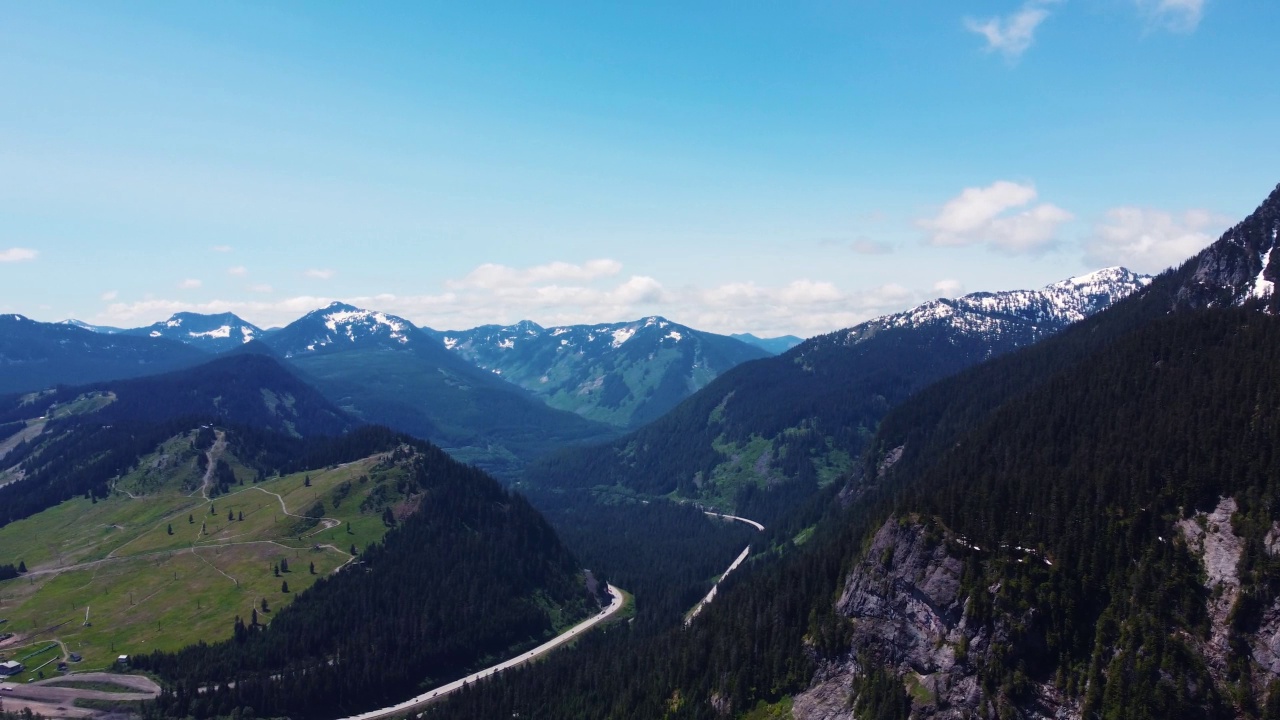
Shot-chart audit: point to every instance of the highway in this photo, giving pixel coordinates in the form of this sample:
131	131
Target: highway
743	556
440	692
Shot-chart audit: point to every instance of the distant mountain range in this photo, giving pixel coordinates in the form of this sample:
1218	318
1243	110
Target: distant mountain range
622	374
770	432
36	355
503	395
497	396
774	345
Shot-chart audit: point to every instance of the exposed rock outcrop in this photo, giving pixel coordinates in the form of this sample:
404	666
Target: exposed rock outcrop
907	613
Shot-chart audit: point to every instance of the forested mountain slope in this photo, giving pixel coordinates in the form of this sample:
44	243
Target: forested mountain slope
382	369
77	439
769	432
1084	528
473	573
623	374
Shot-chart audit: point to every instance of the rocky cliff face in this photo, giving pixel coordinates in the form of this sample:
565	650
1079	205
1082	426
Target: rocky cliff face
1241	266
909	613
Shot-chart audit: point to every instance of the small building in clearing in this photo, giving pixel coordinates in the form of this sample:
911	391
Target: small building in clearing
10	668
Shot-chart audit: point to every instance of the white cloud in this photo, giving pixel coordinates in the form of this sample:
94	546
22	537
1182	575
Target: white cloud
948	288
983	215
1012	34
152	309
865	246
491	275
189	284
319	274
1180	16
1148	240
805	306
238	271
222	248
110	295
18	255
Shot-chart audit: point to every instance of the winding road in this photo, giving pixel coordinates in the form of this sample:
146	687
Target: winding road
433	695
741	557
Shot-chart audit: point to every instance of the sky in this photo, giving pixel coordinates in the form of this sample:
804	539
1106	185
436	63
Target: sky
738	166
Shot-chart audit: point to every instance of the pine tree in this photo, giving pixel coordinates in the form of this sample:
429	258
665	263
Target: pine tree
353	548
254	621
242	516
230	516
170	528
306	481
22	566
313	568
276	569
284	565
265	607
284	586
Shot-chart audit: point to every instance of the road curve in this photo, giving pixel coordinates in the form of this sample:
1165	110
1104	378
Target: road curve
742	556
752	523
433	695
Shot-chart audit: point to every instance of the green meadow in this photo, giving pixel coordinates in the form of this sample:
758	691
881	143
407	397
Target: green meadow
157	565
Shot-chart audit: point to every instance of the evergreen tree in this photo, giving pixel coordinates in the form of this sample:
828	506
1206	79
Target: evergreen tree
284	586
22	566
191	519
313	568
241	515
306	482
170	528
284	565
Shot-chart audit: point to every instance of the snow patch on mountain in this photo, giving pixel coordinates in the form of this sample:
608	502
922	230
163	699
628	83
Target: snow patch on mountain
621	335
221	332
353	319
1262	287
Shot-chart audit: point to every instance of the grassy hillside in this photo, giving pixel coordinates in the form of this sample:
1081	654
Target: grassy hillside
158	564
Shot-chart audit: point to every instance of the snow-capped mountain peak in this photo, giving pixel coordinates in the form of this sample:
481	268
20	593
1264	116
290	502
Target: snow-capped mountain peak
214	333
1037	312
341	325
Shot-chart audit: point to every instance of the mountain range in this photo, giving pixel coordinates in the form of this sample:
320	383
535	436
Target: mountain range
622	374
768	433
1083	528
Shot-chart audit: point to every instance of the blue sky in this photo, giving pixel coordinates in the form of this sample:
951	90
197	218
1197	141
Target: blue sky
737	166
